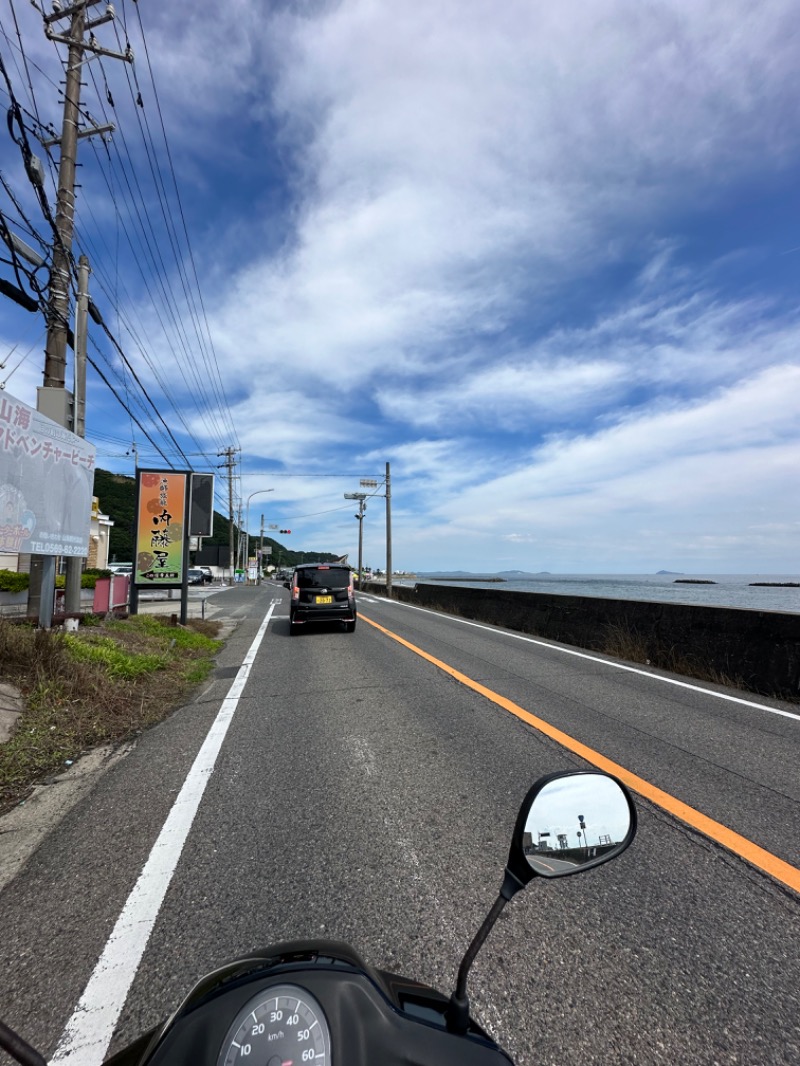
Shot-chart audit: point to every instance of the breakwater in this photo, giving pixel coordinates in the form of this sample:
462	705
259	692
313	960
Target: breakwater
755	650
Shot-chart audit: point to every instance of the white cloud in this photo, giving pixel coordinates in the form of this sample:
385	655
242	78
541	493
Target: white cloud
672	345
712	478
459	168
482	259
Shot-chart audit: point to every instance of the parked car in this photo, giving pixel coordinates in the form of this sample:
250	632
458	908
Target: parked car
208	575
196	576
321	592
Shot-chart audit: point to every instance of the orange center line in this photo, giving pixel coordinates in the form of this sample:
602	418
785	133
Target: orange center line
779	869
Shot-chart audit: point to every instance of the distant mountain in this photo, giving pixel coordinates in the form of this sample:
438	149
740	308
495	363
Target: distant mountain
521	573
668	572
470	575
445	573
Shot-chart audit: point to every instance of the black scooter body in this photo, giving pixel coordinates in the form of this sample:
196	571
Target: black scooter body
374	1015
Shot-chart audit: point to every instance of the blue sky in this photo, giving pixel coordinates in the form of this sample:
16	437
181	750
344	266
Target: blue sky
543	259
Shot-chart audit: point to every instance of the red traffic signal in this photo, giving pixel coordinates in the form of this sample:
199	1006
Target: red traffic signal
284	531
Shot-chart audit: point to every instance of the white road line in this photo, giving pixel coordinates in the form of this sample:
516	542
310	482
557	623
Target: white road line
604	662
88	1033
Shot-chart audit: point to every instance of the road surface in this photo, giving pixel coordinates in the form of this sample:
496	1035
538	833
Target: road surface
363	792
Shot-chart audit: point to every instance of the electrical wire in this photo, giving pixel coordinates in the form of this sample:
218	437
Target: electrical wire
135	197
26	356
24	60
163	281
176	319
122	404
225	405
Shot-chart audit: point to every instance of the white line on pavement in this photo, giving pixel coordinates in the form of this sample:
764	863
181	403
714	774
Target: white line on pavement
88	1033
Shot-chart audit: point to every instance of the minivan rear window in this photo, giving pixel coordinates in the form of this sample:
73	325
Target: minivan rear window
333	577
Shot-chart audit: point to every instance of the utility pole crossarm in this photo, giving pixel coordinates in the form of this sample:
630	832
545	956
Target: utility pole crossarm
68	12
92	132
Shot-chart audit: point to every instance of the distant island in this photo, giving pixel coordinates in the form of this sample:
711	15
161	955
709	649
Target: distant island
469	575
466	577
775	584
693	581
667	573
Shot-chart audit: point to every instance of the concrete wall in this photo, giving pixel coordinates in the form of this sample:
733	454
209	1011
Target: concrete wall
757	650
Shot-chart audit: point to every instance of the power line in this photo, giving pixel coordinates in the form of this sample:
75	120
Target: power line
24	60
151	249
121	403
142	234
98	318
225	404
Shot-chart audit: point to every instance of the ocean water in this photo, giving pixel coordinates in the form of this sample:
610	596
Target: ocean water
728	590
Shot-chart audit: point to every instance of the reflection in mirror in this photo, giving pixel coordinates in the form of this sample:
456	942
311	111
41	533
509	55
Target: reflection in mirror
575	820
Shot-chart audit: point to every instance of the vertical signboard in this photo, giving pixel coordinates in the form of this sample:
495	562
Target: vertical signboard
201	508
160	526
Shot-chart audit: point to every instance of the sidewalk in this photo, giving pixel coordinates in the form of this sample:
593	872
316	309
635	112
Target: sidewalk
155	603
149	603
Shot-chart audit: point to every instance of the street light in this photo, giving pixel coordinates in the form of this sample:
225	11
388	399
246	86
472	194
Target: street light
360	496
247	527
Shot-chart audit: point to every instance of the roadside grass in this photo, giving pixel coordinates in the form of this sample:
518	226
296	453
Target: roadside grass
104	684
626	643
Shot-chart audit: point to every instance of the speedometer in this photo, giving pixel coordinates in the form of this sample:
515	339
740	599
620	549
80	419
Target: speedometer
281	1026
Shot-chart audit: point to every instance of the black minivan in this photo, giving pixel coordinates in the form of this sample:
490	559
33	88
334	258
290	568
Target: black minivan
322	592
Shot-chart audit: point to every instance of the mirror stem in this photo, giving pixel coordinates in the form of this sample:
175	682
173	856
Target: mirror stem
18	1049
458	1010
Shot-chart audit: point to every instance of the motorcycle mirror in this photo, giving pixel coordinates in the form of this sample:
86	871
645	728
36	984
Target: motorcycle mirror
568	823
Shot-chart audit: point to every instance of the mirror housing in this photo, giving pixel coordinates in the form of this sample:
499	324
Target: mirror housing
287	584
541	847
550	817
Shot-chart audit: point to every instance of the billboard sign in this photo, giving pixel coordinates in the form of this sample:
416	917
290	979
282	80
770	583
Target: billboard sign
46	483
160	519
201	511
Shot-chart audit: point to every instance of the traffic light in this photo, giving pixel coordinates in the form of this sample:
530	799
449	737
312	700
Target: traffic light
284	531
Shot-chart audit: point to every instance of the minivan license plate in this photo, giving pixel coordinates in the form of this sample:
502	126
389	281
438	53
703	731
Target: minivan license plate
324	599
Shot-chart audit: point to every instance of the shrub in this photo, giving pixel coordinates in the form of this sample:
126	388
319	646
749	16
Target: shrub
13	582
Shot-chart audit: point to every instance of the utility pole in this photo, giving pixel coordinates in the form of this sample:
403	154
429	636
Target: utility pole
81	344
53	399
72	597
360	516
388	532
239	540
261	552
55	365
230	463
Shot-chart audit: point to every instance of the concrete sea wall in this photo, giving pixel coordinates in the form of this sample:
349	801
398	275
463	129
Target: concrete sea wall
756	650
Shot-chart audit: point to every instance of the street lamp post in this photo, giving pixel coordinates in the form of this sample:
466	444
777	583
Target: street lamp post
361	497
360	516
247	527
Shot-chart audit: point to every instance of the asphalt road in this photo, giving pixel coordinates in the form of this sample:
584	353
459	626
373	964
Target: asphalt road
362	793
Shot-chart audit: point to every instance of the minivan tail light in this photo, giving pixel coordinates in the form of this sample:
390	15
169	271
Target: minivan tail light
295	592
